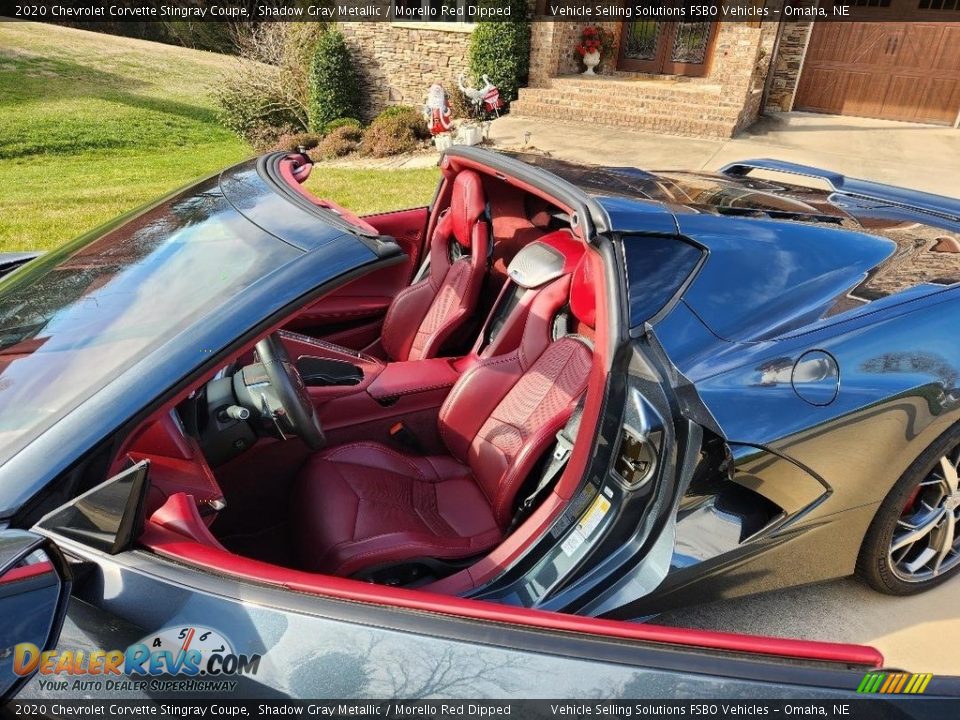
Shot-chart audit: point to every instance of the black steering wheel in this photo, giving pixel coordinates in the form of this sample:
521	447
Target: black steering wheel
296	414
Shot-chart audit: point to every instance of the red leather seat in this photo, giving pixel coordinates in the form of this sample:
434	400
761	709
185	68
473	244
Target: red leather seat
424	316
364	505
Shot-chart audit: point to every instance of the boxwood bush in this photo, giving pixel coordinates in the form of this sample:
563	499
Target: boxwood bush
334	85
342	122
398	129
502	50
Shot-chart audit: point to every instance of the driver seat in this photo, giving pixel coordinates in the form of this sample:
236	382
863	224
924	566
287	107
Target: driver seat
364	506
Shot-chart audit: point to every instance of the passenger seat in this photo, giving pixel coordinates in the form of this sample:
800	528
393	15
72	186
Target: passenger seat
425	315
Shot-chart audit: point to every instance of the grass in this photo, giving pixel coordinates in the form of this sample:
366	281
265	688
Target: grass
368	190
94	125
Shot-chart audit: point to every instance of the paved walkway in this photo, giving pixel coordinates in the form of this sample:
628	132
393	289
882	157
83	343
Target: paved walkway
924	157
919	633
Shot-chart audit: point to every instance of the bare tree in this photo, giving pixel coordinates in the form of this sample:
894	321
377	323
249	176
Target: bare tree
272	70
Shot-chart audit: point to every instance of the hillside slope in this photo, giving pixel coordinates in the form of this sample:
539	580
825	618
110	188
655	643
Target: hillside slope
92	125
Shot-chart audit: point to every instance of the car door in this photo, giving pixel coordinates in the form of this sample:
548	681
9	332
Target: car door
172	626
299	645
352	315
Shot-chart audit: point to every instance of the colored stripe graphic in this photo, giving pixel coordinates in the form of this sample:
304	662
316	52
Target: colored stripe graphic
889	682
903	681
894	683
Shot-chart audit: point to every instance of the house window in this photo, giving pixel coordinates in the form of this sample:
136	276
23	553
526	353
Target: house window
434	11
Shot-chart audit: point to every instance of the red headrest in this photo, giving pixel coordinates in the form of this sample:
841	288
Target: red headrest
583	294
467	205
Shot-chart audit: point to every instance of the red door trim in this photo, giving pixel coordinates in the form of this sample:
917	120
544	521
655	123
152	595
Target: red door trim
171	544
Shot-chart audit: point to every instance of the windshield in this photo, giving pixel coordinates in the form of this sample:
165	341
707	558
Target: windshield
71	321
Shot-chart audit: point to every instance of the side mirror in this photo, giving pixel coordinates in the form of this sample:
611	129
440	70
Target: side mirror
35	583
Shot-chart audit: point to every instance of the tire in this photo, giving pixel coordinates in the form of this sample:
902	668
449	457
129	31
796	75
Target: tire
927	489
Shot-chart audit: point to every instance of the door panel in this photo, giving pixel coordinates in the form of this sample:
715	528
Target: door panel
689	50
666	47
352	315
318	646
641	46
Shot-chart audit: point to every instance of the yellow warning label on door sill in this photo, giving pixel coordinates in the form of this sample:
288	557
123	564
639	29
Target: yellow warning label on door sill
592	517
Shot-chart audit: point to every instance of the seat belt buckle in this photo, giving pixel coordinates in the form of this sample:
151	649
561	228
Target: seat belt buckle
563	448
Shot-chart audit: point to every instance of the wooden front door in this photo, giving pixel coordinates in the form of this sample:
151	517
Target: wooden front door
671	48
891	70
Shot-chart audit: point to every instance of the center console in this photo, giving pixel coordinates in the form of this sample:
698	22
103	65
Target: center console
359	397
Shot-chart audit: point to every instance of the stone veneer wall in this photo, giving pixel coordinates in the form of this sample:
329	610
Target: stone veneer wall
399	62
758	78
787	65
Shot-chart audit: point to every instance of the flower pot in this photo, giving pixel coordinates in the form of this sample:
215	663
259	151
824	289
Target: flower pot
591	60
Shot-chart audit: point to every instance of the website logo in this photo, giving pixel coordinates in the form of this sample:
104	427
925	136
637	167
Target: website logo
894	683
186	651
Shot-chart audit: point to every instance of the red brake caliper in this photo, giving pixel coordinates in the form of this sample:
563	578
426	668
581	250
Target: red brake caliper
911	499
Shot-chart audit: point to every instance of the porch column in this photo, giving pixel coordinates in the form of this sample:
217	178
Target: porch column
545	47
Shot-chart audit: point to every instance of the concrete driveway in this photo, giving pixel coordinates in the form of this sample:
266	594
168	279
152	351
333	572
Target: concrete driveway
919	633
924	157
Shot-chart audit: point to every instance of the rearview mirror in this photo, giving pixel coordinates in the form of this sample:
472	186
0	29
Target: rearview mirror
34	591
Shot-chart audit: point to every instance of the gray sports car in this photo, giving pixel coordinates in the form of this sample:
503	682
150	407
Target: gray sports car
251	442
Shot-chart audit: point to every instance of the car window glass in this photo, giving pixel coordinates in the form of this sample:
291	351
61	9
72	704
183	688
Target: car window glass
72	321
657	268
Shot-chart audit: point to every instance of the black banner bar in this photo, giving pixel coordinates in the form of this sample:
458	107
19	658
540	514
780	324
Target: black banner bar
855	709
471	11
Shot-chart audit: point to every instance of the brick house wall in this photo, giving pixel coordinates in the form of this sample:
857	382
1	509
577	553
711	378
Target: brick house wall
720	104
398	62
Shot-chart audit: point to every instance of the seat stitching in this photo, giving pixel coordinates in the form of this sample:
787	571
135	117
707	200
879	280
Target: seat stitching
461	385
512	476
435	519
417	473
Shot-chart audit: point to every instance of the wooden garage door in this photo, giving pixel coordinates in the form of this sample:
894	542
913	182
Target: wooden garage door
893	70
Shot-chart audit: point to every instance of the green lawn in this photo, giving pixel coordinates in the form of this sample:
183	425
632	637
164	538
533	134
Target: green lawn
93	125
370	191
